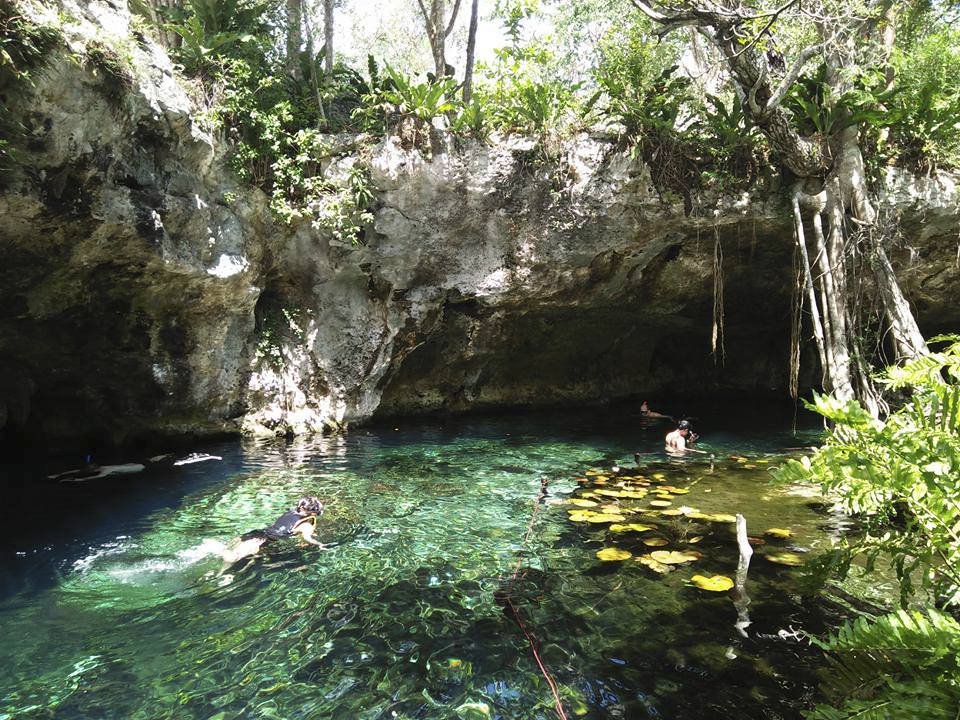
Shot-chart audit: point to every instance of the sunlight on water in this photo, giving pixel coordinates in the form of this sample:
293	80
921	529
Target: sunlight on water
403	614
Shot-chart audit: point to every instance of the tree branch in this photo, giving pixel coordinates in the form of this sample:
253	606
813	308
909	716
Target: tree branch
453	19
791	77
426	17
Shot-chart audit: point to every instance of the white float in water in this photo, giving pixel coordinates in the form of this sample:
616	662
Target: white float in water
197	457
96	472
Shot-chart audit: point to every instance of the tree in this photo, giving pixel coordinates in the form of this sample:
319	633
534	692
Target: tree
439	28
471	51
294	38
328	39
831	186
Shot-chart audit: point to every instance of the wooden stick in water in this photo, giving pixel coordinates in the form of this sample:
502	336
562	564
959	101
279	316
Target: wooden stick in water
741	600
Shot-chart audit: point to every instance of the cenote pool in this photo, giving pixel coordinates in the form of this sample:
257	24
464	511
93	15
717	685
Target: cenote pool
115	605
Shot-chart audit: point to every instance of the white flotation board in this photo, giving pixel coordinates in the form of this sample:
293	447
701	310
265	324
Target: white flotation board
197	457
84	474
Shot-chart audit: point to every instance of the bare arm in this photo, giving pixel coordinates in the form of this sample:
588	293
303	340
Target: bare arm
305	530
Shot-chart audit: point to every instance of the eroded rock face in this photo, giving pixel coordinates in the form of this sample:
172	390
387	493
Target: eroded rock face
128	285
143	289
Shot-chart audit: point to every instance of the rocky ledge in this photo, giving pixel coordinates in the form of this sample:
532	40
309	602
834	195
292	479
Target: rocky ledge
144	289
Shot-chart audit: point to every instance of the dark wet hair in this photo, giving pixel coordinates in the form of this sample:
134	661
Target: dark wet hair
309	506
683	425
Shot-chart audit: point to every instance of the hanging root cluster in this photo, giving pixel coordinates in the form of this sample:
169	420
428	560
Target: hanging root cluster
717	347
831	266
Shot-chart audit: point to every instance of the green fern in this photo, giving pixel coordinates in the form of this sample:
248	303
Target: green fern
898	666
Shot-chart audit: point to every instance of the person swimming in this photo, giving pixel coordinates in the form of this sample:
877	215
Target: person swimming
646	412
679	441
301	521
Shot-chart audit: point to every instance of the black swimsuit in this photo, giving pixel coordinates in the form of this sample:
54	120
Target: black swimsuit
283	527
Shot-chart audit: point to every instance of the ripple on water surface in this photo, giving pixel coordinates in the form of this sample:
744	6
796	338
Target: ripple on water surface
415	607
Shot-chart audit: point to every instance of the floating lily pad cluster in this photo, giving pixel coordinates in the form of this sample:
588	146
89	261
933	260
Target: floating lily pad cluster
618	500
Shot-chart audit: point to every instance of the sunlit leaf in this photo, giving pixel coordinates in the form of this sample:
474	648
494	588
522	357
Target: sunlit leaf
674	557
716	583
610	554
634	527
655	541
779	532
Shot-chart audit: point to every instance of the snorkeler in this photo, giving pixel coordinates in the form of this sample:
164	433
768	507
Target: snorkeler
301	521
679	441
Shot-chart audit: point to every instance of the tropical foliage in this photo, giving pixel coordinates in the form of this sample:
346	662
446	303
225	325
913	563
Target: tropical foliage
902	665
901	477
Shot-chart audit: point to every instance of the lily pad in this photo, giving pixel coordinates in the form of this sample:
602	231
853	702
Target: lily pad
608	493
722	518
661	503
580	502
674	557
657	567
655	541
611	554
580	515
717	583
672	512
593	471
605	518
658	476
785	558
695	539
633	494
634	527
779	532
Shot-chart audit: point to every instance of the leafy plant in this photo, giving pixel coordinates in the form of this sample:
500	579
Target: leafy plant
422	101
902	665
472	120
638	78
24	44
209	29
901	475
535	106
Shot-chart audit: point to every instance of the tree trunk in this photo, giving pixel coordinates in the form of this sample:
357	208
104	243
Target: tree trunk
907	338
471	50
438	30
328	39
314	80
294	38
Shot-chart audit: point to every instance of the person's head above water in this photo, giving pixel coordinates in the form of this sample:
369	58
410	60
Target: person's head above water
683	425
310	506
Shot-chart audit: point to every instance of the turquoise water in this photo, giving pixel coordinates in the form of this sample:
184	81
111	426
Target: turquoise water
116	605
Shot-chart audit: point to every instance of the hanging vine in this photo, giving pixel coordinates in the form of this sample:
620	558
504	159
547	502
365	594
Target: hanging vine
717	347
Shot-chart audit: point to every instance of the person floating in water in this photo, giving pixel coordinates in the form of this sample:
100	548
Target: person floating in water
679	441
646	412
300	521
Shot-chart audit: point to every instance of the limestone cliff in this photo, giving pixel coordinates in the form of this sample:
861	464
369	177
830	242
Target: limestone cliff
144	289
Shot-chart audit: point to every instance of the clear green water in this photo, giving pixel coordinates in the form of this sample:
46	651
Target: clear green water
114	606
